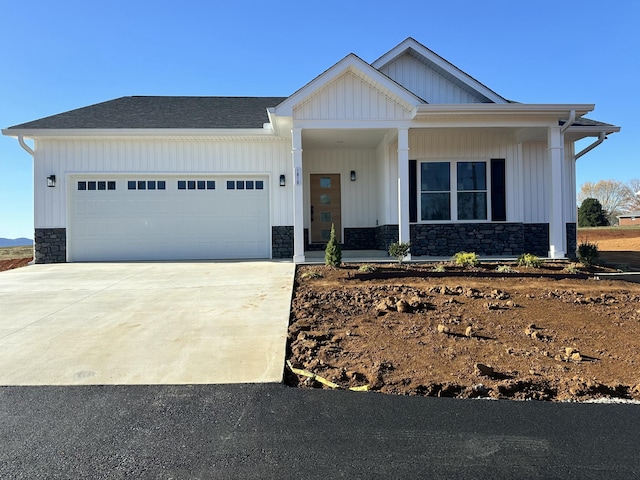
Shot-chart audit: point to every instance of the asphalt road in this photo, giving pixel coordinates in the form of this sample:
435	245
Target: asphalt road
271	431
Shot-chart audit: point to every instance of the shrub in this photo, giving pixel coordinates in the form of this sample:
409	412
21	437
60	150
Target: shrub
466	259
588	253
529	260
399	250
333	252
439	269
367	268
505	269
572	268
311	274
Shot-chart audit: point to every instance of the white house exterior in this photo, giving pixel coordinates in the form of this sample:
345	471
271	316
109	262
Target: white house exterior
407	148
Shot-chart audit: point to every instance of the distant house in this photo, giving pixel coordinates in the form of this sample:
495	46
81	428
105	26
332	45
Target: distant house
631	218
407	148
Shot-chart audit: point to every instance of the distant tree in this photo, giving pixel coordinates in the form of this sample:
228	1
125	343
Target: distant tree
634	202
614	196
591	214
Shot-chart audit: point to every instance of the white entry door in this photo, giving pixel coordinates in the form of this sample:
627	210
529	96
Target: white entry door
159	217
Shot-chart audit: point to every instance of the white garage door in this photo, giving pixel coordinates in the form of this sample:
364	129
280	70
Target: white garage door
168	218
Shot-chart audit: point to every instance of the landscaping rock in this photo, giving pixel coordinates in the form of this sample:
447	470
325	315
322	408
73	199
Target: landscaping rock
483	370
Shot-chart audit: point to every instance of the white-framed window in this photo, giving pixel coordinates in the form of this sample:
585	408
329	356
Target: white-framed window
454	191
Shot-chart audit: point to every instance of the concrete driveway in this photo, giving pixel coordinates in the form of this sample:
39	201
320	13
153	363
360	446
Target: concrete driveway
144	323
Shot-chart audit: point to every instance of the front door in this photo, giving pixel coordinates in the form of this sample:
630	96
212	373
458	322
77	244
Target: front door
325	207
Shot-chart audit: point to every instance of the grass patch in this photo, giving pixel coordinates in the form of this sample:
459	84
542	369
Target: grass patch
11	253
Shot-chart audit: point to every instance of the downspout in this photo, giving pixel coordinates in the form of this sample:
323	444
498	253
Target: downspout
26	147
601	138
568	123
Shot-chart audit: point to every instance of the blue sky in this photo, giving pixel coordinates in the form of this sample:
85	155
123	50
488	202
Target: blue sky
62	55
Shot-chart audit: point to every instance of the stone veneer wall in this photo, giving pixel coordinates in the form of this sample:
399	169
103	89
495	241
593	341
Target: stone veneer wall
385	236
572	240
508	239
536	239
282	242
50	245
359	238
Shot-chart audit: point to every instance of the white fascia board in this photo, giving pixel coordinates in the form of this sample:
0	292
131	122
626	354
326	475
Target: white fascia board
139	132
447	66
559	110
349	63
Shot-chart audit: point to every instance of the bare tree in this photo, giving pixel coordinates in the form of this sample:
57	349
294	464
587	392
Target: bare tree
614	196
634	202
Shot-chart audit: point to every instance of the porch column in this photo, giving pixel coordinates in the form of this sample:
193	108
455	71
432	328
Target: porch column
298	206
404	235
557	233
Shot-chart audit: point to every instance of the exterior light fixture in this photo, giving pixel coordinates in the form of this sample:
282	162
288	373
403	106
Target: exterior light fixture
353	175
282	181
51	181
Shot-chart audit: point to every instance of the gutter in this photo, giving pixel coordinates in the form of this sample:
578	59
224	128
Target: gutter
601	138
26	147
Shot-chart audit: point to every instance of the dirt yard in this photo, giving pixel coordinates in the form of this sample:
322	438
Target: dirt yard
15	257
541	334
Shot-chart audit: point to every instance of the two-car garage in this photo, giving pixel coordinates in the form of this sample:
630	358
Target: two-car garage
168	217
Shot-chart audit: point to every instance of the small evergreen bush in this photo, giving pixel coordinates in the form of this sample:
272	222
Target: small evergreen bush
529	260
466	259
399	250
588	253
333	252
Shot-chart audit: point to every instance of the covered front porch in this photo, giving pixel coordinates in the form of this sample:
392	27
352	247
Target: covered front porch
373	186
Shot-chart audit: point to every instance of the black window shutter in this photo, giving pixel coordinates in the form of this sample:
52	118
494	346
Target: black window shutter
413	191
498	190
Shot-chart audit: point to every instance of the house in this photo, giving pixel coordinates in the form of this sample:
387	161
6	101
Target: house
407	148
630	218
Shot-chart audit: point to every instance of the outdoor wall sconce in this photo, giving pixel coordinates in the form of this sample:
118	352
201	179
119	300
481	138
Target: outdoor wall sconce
282	182
353	175
51	181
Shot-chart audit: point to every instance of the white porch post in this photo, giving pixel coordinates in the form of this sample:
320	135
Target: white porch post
557	228
298	205
403	187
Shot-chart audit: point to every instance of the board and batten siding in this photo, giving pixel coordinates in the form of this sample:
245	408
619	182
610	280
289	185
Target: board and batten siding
270	156
526	168
429	85
359	198
476	145
536	186
569	189
350	98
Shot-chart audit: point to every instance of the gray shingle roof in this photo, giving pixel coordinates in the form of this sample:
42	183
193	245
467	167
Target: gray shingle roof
635	213
163	112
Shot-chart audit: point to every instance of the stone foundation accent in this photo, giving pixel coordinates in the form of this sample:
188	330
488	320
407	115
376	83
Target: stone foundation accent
385	236
536	239
445	240
282	242
487	239
50	245
359	239
572	240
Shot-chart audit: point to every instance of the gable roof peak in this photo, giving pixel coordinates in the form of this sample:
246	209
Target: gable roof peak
427	56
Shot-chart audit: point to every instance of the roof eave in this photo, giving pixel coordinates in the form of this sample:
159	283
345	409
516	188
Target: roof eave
137	132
